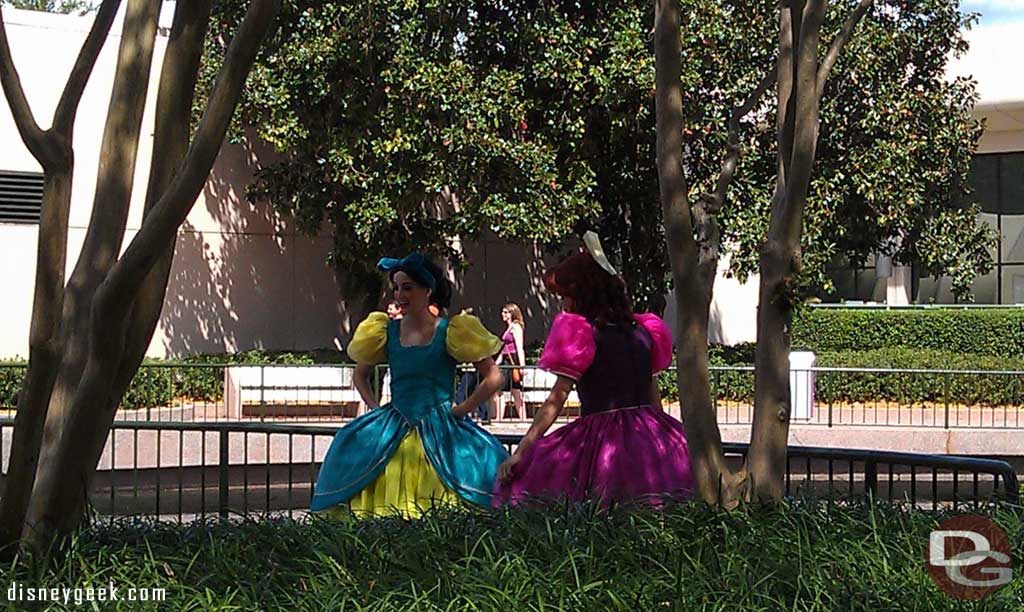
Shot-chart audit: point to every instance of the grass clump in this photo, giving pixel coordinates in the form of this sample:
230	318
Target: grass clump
800	555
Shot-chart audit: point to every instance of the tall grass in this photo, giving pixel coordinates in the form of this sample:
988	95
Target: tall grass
801	556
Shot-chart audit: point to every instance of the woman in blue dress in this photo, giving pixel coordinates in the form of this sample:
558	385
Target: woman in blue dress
418	450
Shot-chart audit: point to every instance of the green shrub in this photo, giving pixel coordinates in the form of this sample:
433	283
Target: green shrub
197	377
907	388
151	387
11	373
899	387
997	331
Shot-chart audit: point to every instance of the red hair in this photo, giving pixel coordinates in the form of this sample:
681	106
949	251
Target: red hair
595	294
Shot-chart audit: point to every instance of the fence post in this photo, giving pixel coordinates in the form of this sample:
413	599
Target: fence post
263	399
945	396
871	478
222	498
376	384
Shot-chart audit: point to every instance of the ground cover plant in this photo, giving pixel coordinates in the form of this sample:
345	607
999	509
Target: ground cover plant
799	555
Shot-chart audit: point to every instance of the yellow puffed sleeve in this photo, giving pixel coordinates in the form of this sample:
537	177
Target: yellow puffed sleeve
369	344
469	341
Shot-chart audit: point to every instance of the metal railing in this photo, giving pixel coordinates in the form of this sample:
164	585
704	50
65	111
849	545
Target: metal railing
947	399
900	397
179	471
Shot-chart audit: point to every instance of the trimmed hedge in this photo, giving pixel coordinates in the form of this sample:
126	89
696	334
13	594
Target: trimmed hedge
996	331
165	380
11	373
903	388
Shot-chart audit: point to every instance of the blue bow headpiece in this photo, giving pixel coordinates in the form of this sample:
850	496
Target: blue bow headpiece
411	264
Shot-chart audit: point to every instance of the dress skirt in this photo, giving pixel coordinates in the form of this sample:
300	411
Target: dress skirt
618	455
408	486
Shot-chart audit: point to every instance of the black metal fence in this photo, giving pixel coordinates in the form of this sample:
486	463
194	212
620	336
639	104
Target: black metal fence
833	397
893	397
179	471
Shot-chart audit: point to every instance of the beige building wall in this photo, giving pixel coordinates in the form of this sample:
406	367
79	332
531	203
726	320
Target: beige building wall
242	278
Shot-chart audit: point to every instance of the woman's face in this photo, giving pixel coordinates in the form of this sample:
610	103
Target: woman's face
506	316
410	295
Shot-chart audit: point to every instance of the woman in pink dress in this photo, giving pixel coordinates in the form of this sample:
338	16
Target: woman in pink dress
623	446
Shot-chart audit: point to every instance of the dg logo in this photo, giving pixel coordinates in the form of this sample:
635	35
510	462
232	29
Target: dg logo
968	557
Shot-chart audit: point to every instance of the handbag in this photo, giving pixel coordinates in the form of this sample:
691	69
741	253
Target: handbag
517	375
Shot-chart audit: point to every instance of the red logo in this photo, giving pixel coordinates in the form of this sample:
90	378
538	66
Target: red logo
968	557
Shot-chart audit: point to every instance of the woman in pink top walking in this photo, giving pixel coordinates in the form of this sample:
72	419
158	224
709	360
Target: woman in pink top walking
512	354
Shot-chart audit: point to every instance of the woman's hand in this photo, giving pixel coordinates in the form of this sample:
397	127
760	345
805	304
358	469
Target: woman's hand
460	411
507	468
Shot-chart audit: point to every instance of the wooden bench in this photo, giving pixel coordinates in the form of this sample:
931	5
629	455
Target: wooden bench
291	391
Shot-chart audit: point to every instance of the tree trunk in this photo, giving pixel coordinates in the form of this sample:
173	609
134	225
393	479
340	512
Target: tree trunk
780	257
114	184
44	356
714	481
52	149
174	107
58	506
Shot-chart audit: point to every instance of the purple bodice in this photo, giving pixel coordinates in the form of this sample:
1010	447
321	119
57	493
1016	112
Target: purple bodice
620	375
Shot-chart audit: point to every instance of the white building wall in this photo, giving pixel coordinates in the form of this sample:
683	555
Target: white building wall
242	278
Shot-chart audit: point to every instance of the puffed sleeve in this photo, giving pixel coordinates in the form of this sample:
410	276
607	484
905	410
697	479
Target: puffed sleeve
570	346
661	351
468	340
369	344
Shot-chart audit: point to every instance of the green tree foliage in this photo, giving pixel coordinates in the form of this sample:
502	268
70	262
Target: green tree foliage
410	123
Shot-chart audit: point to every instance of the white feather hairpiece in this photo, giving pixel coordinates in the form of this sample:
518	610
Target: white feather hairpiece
593	244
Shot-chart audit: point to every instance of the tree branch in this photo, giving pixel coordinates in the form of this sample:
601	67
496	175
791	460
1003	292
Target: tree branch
67	107
170	212
845	33
177	88
715	200
35	138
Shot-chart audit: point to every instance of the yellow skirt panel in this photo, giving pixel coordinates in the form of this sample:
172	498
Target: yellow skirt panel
409	485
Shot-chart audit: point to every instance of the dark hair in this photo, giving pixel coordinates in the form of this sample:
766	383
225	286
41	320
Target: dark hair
441	296
596	295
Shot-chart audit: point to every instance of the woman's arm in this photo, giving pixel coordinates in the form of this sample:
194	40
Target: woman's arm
361	379
542	421
656	393
490	377
517	335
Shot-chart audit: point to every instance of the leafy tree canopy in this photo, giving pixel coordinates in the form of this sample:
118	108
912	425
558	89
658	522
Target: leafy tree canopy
410	123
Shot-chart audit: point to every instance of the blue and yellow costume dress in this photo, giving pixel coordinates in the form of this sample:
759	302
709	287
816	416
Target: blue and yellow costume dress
412	453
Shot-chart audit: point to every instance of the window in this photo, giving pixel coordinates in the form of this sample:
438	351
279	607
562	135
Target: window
21	196
997	182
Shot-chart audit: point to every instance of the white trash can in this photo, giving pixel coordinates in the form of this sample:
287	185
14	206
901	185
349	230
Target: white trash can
801	385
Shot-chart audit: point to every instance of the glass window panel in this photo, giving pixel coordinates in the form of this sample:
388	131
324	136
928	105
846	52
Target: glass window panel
868	284
843	281
984	180
933	290
983	289
1011	181
1013	284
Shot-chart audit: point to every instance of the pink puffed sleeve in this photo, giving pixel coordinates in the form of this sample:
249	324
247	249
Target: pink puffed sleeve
661	351
570	346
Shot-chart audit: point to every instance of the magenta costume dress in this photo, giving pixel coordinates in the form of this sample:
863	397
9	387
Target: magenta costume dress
621	447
